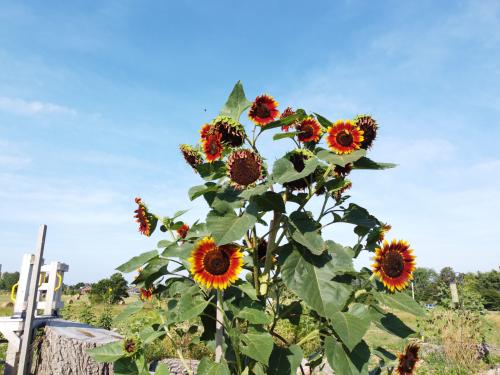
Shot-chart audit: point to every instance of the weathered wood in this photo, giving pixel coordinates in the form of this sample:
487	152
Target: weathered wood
62	349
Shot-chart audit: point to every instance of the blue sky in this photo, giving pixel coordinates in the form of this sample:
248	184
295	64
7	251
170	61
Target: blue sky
96	96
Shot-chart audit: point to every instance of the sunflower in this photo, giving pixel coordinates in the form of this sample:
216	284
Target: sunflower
394	264
146	294
192	156
298	157
131	345
344	137
244	168
215	266
337	194
310	130
340	171
383	230
212	147
287	112
183	231
263	110
369	127
408	360
232	132
205	131
147	221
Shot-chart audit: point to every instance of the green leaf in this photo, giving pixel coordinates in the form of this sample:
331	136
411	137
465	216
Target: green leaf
384	354
390	322
341	160
229	228
341	256
284	171
176	250
257	190
254	316
109	352
125	366
209	367
285	360
347	362
224	200
199	190
212	171
190	308
400	301
236	103
270	201
137	261
323	121
305	231
247	288
349	328
285	135
162	369
358	215
257	345
149	334
313	282
129	311
366	163
298	116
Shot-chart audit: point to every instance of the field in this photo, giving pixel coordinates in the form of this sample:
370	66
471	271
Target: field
431	364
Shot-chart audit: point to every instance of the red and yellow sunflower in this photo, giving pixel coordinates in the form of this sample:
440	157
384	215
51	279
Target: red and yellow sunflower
183	231
147	221
287	112
383	230
263	110
212	147
369	127
146	294
408	360
394	264
205	131
215	266
344	137
310	130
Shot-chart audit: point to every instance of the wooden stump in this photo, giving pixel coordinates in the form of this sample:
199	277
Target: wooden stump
62	350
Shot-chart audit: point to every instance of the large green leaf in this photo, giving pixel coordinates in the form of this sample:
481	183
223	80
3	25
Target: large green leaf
224	200
347	362
230	227
390	322
400	301
358	215
199	190
236	103
257	345
137	261
349	328
189	307
212	171
257	190
209	367
284	171
285	135
298	116
366	163
129	311
125	366
270	201
313	282
285	360
162	369
341	256
305	230
341	160
254	316
109	352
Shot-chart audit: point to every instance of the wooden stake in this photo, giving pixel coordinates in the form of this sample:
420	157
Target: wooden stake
24	357
219	328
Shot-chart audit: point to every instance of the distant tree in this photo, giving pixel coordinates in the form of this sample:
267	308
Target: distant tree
8	280
424	280
488	286
447	275
110	290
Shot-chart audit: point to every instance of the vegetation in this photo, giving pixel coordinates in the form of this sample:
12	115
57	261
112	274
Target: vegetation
8	279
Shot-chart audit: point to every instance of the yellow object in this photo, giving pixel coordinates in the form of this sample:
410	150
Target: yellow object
59	278
13	292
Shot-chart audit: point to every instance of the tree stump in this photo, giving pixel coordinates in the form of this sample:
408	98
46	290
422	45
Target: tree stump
62	349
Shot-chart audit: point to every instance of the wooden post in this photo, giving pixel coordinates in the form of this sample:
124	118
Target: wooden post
219	328
24	359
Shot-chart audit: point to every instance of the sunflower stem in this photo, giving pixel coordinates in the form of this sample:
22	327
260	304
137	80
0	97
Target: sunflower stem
275	225
219	328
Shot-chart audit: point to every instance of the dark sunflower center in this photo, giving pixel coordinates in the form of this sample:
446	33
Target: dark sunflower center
216	262
245	170
130	346
307	131
344	138
393	264
262	111
213	147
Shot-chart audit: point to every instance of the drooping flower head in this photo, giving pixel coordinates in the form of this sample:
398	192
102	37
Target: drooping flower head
183	230
146	294
287	112
383	230
337	194
342	171
244	168
215	266
344	137
263	110
310	130
298	157
147	221
131	345
394	264
212	147
369	127
232	132
408	360
192	156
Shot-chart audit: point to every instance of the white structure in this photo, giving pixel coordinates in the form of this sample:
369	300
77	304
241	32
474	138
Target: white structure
37	299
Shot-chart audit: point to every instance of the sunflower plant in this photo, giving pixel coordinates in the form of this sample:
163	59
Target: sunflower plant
264	237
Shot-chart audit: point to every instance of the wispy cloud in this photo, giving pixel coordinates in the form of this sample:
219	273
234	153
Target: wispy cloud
33	108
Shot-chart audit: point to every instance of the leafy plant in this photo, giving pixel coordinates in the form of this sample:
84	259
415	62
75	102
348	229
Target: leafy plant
265	252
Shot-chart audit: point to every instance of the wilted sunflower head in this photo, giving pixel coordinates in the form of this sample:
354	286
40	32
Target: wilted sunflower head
369	127
287	112
192	156
337	194
131	345
310	130
183	230
394	264
233	133
298	158
344	137
244	168
340	171
408	359
147	221
264	110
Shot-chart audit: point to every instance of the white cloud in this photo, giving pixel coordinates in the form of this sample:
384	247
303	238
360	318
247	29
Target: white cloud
33	108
